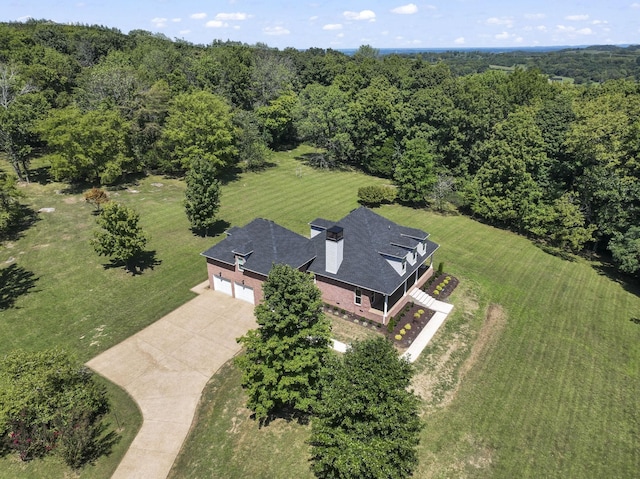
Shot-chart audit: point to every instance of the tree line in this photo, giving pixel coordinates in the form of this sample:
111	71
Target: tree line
553	161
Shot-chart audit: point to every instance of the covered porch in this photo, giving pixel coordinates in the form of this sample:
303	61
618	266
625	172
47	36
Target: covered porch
386	306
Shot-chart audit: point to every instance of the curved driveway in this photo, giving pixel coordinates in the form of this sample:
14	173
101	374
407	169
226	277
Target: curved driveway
165	367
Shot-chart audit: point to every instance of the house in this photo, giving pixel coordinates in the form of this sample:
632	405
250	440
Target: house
364	263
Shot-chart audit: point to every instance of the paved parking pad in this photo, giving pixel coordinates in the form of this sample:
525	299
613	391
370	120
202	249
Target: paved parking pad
165	368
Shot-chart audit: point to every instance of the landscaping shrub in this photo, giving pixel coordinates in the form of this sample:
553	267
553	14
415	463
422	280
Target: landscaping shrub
407	327
374	195
440	268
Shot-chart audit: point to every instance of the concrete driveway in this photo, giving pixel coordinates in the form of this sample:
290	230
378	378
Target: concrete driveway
165	367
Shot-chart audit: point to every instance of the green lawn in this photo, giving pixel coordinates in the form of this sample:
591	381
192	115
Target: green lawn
551	390
549	383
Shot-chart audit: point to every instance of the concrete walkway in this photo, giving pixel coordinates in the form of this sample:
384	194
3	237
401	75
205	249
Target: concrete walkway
165	368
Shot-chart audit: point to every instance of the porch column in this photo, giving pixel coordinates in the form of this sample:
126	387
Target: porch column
384	313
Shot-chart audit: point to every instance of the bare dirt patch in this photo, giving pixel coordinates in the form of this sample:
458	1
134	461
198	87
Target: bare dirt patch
448	364
494	322
71	200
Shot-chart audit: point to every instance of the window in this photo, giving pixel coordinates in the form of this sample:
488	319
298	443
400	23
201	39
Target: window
358	296
404	264
240	261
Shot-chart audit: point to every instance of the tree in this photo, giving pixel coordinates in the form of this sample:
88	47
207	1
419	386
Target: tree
19	108
625	249
10	208
202	196
374	195
91	146
199	125
48	402
97	197
122	238
282	363
366	424
414	173
253	152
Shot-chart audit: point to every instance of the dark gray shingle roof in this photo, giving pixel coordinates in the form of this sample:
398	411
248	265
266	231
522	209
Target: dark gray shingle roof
266	243
367	236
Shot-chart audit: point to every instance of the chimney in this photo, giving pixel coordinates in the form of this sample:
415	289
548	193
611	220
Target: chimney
334	249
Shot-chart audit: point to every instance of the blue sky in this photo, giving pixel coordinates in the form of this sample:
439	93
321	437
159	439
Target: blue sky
351	23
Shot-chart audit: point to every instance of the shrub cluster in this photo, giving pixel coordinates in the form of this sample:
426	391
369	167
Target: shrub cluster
375	195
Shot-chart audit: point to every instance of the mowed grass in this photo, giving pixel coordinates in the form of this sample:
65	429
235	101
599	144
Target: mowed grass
79	305
553	394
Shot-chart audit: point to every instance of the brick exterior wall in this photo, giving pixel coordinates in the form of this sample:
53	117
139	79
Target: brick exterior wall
333	292
253	280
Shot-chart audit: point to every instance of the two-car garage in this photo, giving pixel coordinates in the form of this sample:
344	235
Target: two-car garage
226	286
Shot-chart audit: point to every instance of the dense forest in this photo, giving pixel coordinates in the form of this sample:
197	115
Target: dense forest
555	161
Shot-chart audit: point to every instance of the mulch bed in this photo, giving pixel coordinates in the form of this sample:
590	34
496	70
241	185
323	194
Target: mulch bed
408	314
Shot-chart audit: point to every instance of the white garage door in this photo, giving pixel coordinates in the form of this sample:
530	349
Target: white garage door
244	293
222	284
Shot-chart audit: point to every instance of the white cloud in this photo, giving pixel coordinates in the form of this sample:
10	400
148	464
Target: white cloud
534	16
176	20
519	39
408	9
340	35
277	30
574	30
599	22
502	36
232	16
314	18
459	41
506	21
416	42
216	24
541	28
332	26
576	18
363	15
24	18
81	4
184	32
198	16
635	5
159	22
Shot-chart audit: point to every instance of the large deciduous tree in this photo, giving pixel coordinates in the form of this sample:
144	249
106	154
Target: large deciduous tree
20	107
625	249
202	196
121	237
50	403
414	173
91	146
366	424
282	364
199	125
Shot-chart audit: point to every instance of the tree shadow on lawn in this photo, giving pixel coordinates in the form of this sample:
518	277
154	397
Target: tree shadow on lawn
288	414
605	267
555	251
219	227
138	265
320	161
15	281
26	218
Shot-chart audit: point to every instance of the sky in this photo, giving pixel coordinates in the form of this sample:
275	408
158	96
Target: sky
351	23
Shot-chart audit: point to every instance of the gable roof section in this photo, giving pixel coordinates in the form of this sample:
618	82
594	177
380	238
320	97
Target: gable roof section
368	238
263	243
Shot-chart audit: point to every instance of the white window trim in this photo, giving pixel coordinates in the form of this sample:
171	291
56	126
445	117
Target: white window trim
240	262
357	298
